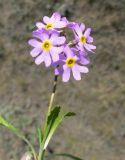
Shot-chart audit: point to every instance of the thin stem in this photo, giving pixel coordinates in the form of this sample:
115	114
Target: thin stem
31	147
53	94
42	151
42	156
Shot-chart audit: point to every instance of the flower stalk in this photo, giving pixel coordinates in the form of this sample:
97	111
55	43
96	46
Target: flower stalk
50	46
53	94
42	150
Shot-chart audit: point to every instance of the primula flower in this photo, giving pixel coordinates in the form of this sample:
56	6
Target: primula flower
51	48
83	37
54	22
47	48
71	63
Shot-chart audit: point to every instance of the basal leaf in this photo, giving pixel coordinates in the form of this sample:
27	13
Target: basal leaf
68	156
13	129
5	123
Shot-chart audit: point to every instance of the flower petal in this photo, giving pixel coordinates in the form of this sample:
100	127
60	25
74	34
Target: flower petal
53	36
89	39
59	24
66	74
82	26
81	46
82	69
58	40
84	60
87	32
41	35
55	56
56	17
40	59
55	51
35	52
68	52
90	47
76	73
71	25
40	25
47	59
34	43
78	30
46	20
65	20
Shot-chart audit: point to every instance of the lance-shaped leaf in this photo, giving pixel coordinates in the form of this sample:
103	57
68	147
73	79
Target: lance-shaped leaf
13	129
53	121
6	124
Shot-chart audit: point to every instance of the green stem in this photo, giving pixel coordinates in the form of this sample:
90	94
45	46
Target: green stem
31	147
42	151
42	155
53	94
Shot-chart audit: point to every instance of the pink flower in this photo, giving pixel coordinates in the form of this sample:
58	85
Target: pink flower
83	38
54	22
50	46
47	48
70	63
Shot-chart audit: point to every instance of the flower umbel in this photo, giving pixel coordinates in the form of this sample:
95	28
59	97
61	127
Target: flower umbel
51	47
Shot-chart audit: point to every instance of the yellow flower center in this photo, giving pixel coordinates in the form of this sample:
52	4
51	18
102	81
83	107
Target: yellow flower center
46	45
83	39
70	62
49	26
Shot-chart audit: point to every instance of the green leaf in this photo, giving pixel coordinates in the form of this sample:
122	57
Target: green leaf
53	121
40	135
13	129
68	156
5	123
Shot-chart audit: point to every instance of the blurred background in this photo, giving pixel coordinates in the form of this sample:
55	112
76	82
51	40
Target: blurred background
97	132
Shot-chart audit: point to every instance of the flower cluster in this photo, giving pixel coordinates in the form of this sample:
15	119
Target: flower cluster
51	47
